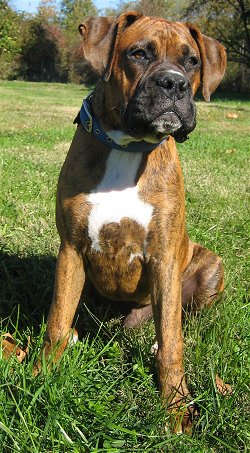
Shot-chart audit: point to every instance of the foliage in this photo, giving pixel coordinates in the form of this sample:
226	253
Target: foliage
9	38
41	53
73	12
48	11
170	9
229	22
9	30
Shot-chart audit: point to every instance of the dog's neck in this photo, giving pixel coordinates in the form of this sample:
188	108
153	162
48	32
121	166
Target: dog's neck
113	138
109	116
104	108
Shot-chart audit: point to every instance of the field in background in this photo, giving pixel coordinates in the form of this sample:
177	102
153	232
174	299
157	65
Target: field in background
103	397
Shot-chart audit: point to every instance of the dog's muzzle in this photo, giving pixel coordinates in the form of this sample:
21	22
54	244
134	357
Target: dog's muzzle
162	105
174	83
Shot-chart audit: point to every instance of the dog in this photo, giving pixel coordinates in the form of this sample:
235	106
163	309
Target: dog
120	200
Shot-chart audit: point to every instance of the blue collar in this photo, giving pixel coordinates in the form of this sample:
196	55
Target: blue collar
92	126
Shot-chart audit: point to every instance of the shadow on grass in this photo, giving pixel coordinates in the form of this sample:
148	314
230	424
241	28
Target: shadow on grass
225	96
26	282
26	291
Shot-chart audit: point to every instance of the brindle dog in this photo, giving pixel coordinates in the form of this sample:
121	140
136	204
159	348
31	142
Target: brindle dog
121	213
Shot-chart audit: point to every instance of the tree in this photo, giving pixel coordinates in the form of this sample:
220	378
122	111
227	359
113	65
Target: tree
48	11
9	38
73	12
40	58
170	9
43	46
226	20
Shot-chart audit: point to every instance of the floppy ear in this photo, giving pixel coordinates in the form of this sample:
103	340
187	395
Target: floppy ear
213	59
100	39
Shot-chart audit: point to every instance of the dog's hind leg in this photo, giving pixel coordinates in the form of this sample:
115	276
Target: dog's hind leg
203	279
138	316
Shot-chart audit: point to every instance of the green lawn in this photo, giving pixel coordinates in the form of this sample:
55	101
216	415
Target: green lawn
103	397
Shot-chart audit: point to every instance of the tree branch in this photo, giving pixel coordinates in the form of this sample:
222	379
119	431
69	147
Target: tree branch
233	47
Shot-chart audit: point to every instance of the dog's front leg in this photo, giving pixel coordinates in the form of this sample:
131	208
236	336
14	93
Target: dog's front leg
165	285
69	281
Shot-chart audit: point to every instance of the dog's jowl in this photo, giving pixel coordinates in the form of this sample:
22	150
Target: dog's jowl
120	199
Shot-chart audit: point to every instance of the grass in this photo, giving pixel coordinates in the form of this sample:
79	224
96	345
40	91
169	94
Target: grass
103	397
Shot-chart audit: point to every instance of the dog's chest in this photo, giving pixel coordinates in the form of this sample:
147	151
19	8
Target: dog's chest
116	201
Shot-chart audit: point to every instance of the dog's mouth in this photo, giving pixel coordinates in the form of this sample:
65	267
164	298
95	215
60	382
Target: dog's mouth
171	123
167	122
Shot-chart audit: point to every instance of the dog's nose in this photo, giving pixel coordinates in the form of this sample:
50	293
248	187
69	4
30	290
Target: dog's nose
174	83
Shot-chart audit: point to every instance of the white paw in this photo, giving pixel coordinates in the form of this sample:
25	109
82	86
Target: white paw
154	348
73	339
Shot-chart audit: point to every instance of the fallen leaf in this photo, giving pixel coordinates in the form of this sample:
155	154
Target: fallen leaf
232	116
223	389
9	347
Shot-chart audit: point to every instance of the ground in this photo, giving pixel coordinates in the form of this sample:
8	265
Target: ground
103	397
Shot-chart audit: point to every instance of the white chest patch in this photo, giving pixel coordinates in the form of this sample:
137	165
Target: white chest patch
116	196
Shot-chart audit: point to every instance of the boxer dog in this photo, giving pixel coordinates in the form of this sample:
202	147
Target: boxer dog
120	199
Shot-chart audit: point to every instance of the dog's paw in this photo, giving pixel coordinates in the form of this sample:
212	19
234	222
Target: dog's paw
154	348
73	338
182	419
37	368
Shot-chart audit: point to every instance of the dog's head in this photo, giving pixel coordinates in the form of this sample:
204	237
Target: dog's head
152	68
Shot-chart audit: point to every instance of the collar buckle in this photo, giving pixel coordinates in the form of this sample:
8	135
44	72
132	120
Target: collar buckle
88	124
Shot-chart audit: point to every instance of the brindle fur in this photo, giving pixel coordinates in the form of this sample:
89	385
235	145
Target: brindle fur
173	270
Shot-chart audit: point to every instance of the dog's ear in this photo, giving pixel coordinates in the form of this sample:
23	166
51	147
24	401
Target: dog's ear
213	60
100	39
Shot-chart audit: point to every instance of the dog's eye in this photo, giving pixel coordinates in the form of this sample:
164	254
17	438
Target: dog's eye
193	61
139	54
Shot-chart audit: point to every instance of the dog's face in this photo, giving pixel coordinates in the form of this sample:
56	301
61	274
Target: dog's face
163	69
152	68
